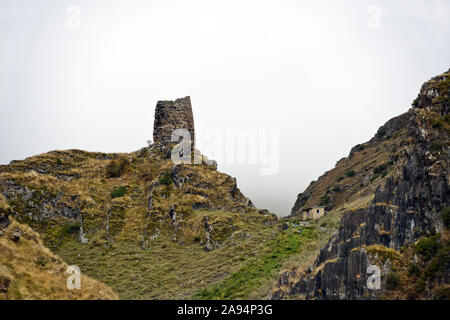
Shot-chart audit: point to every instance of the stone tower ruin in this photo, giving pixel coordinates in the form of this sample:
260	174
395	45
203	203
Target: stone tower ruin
169	116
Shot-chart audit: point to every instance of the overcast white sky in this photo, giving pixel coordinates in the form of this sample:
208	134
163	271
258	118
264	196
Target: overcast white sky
325	74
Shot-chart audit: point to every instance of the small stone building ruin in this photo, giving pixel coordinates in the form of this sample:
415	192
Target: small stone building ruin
313	213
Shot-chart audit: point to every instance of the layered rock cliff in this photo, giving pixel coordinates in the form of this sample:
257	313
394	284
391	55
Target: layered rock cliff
393	191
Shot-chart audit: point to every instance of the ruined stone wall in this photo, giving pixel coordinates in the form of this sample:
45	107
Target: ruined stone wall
172	115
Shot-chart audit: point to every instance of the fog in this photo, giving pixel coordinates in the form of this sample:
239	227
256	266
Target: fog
316	76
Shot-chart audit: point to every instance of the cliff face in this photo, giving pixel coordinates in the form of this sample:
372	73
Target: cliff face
401	192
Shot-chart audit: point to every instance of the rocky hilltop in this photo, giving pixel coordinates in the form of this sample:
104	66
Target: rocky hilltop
391	194
147	227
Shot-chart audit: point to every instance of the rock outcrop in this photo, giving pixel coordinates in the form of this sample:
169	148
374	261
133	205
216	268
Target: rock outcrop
406	206
5	211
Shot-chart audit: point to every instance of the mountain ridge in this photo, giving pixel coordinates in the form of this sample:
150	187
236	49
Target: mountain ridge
402	173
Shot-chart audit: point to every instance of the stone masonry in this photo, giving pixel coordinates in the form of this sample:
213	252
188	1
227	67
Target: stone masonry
169	116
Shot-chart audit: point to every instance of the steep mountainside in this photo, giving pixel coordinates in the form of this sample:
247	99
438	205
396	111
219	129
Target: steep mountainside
392	194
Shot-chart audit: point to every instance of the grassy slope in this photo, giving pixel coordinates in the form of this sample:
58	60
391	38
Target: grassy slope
296	246
165	268
31	271
259	270
168	269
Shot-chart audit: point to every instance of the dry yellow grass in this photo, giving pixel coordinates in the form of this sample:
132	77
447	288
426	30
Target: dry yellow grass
31	271
3	205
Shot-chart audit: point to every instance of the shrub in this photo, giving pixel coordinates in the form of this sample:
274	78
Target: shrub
428	247
117	167
165	178
381	169
393	281
324	200
381	132
118	192
72	228
336	189
350	173
439	264
339	179
414	270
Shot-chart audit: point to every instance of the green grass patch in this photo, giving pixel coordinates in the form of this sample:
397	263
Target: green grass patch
118	192
165	178
260	269
350	173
